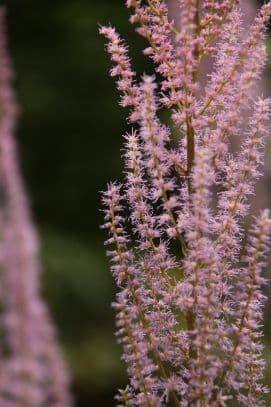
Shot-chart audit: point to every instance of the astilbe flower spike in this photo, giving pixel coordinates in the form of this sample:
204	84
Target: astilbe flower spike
33	372
189	273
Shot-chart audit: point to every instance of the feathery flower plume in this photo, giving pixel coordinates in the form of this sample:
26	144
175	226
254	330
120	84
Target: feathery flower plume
190	305
33	372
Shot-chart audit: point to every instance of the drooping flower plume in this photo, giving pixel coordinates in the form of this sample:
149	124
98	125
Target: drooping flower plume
189	273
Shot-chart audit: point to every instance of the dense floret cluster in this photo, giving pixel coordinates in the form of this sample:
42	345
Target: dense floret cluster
189	306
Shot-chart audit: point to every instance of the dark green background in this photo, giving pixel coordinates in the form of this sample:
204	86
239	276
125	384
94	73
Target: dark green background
69	137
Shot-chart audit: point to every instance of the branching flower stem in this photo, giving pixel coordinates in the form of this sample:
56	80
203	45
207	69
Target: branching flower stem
189	320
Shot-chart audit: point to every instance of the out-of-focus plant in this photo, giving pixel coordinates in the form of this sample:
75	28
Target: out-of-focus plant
189	306
33	372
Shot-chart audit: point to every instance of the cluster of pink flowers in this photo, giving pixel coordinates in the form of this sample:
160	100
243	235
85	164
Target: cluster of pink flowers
33	372
189	306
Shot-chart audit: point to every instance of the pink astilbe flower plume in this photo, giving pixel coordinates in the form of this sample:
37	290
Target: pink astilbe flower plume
33	372
188	269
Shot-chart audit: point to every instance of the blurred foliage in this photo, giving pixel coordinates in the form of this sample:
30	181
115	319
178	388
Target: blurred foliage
79	290
70	135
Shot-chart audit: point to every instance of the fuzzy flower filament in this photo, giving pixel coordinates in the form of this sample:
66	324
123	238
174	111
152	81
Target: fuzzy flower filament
189	273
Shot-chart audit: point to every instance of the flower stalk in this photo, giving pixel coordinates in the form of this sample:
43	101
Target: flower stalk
193	311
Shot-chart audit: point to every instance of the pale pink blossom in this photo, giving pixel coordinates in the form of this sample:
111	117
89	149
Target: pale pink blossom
190	301
33	370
